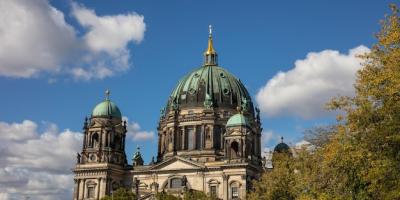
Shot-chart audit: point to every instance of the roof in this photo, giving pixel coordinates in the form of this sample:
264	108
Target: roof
106	109
282	148
221	87
238	120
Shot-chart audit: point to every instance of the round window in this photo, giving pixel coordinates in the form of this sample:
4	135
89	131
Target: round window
226	91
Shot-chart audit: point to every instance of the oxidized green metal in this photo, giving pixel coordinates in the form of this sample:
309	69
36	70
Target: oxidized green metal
238	120
210	86
106	109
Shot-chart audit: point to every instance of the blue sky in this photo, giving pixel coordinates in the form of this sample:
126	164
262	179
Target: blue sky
255	40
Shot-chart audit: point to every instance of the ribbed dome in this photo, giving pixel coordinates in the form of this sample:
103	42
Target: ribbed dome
106	109
282	148
237	120
210	86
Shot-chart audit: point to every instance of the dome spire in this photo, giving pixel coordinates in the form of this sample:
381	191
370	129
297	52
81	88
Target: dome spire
107	93
210	55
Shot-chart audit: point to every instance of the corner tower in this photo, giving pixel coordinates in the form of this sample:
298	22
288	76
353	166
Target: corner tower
100	167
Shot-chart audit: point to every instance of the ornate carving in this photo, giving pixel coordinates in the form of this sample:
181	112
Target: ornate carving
208	102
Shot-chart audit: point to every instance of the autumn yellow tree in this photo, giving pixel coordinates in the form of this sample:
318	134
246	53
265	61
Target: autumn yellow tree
361	157
371	127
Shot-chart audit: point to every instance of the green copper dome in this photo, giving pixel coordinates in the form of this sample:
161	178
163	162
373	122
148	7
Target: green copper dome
237	120
210	86
106	109
282	147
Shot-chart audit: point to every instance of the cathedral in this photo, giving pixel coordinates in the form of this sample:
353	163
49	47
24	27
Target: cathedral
209	140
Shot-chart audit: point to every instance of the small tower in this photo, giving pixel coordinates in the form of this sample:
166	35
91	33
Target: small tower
241	140
137	158
103	150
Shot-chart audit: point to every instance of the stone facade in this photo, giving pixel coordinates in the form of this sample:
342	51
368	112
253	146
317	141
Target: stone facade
209	140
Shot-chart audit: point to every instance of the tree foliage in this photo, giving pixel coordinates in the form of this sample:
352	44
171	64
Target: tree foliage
188	195
360	158
121	194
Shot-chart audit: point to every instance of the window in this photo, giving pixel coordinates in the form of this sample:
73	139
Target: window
235	192
190	132
95	140
213	191
217	137
176	183
90	192
234	150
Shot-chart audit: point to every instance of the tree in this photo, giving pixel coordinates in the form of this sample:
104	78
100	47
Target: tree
278	183
360	157
121	194
319	135
188	195
371	125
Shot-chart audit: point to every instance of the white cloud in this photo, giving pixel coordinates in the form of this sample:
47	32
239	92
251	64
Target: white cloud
35	39
36	164
135	133
304	90
109	33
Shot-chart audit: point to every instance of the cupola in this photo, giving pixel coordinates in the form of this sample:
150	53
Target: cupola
107	108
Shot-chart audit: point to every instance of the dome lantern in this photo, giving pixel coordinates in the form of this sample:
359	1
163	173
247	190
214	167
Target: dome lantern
210	55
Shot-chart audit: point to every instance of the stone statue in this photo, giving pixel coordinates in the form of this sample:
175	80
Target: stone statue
184	181
78	158
258	114
208	102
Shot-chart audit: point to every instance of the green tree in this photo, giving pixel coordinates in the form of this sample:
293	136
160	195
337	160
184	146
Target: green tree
188	195
121	194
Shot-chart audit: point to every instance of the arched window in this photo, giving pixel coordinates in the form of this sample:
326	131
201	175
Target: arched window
95	140
234	190
213	188
176	183
234	150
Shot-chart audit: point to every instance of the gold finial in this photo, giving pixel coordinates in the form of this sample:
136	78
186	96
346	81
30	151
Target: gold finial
210	55
107	94
210	48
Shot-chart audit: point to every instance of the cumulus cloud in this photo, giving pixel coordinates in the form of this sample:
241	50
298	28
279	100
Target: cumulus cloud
304	90
36	164
109	33
136	133
36	39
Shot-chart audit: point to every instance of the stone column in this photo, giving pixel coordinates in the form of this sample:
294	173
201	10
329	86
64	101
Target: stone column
98	188
82	188
225	187
102	187
184	138
76	189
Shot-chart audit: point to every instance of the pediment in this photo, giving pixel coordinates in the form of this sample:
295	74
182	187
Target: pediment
177	163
